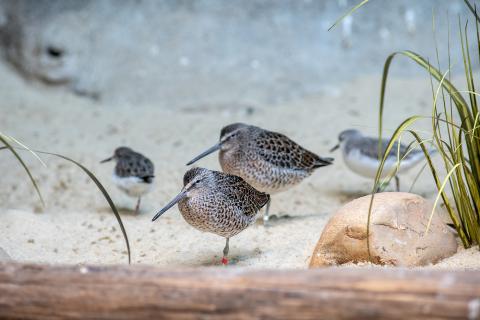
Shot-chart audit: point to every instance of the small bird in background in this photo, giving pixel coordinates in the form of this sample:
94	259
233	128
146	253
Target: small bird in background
217	202
133	173
269	161
360	154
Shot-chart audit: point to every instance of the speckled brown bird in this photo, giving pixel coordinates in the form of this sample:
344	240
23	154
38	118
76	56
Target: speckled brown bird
133	173
217	202
269	161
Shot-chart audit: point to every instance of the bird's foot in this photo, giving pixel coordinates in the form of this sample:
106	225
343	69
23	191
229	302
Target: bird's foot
265	221
224	261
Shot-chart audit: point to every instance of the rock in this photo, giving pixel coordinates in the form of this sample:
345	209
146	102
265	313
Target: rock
397	233
4	256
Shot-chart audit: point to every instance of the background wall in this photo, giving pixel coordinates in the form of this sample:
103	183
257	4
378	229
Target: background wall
189	53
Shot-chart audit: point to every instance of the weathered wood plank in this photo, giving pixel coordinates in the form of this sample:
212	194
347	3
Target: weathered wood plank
142	292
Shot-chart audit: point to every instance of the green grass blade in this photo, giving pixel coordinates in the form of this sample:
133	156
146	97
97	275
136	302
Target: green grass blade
355	8
105	194
448	206
100	187
467	66
4	139
460	150
465	113
417	176
25	147
405	124
440	191
472	9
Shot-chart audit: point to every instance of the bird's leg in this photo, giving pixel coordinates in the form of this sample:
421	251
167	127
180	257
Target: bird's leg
265	215
225	253
137	208
397	183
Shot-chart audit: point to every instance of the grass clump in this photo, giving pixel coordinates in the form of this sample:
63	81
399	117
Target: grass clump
12	144
455	124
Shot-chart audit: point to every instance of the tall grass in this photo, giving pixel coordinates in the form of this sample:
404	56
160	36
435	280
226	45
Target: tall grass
10	144
455	135
455	121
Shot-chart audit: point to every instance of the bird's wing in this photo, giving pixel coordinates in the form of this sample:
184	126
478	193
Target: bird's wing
135	166
240	194
280	151
369	147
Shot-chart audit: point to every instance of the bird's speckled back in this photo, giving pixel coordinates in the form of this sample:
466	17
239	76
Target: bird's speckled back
220	203
133	164
368	147
269	161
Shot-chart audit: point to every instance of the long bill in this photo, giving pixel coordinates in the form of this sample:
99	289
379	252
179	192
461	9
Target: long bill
179	197
335	148
106	160
205	153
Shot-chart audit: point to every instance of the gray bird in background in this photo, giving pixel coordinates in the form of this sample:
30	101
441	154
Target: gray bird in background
360	154
133	173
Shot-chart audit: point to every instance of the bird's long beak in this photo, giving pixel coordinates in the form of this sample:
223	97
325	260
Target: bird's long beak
179	197
205	153
106	160
335	148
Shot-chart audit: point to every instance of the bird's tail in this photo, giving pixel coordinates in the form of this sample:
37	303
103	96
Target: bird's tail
322	162
147	179
452	228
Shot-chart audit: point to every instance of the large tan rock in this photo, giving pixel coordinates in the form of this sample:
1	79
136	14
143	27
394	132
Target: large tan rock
397	233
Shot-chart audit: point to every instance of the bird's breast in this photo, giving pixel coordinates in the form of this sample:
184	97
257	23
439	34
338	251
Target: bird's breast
259	173
230	161
212	213
133	186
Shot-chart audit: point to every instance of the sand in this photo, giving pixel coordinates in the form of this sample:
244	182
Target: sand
77	227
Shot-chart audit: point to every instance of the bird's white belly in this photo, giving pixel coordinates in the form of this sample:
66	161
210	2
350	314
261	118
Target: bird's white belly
133	186
367	167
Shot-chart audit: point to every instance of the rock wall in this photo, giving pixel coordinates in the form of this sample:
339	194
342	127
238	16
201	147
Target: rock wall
192	52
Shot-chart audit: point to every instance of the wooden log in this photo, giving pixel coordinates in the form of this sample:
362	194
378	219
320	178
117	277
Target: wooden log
143	292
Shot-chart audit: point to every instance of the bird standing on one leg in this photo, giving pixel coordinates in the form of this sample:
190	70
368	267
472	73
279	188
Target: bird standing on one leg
133	173
217	202
360	154
269	161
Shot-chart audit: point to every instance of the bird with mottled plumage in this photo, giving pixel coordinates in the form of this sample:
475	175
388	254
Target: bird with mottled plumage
218	203
269	161
360	154
133	173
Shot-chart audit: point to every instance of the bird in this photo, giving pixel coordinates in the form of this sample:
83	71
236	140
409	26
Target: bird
133	173
269	161
216	202
360	154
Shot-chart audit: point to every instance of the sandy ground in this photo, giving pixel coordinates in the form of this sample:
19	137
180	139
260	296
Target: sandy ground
76	226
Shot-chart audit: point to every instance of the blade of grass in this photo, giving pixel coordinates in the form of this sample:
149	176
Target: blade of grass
473	10
417	176
105	194
25	147
405	124
449	208
99	186
440	191
8	146
461	151
352	10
